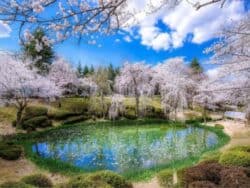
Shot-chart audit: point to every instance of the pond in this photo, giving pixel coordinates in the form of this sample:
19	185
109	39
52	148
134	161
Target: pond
124	148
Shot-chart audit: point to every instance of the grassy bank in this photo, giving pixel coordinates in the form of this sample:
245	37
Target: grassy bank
67	169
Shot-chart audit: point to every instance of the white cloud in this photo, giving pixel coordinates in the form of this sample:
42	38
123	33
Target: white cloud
127	39
212	73
182	21
151	36
4	30
204	23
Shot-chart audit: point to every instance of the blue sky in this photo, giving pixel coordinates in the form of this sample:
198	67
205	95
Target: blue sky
181	32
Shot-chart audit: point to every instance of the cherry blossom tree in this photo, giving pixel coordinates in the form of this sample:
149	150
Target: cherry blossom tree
231	55
117	107
18	84
86	87
135	80
205	100
64	76
101	79
81	18
174	81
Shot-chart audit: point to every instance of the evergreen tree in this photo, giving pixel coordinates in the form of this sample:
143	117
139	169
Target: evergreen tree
92	70
86	70
39	49
111	72
79	70
196	67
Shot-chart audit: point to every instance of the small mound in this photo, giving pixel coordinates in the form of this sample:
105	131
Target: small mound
235	177
202	184
205	171
9	151
238	156
165	178
38	180
102	179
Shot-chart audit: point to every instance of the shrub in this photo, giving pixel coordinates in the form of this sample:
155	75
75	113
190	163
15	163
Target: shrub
10	151
130	112
205	171
235	177
101	179
198	119
38	180
238	156
34	111
83	182
39	121
75	119
211	156
202	184
13	184
219	126
165	178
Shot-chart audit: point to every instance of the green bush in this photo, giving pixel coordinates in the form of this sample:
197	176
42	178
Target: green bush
75	119
165	178
10	151
38	180
130	112
34	111
13	184
39	121
238	156
219	126
211	156
101	179
83	182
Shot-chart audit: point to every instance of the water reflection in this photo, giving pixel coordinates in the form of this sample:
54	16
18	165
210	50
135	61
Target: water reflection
123	149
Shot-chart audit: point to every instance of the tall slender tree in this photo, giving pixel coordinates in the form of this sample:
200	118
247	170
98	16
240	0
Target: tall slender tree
38	47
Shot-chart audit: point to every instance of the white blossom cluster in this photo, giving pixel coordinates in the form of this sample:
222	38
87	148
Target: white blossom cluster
66	18
231	84
18	82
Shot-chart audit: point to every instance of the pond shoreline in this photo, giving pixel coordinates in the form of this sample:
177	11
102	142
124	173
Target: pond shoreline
69	170
26	163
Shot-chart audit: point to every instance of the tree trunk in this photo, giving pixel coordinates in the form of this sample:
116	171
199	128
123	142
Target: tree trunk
20	108
204	115
103	107
137	98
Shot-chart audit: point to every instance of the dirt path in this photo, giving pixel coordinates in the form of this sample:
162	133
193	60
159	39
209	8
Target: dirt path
238	131
15	170
153	183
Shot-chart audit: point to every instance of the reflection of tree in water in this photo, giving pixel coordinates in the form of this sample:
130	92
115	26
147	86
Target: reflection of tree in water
126	148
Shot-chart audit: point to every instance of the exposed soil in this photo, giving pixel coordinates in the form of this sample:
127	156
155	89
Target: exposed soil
15	170
238	131
153	183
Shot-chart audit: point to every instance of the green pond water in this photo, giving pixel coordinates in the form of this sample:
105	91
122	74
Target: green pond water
124	148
